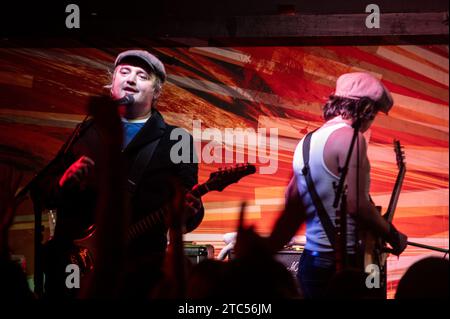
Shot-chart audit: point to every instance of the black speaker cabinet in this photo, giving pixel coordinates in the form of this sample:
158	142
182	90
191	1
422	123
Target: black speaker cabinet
197	253
288	257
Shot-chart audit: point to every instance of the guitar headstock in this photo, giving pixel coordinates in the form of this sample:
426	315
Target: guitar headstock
225	176
399	154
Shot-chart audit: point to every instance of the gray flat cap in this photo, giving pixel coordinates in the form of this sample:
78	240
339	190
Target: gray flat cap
152	61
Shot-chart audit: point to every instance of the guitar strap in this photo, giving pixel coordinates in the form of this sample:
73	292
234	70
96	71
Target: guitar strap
321	212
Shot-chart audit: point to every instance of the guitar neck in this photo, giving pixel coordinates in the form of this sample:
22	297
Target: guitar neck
200	189
146	223
158	217
395	195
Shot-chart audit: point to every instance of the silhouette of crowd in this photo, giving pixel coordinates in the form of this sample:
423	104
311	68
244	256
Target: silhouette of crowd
252	273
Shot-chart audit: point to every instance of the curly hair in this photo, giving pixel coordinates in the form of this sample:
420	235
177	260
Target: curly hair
350	108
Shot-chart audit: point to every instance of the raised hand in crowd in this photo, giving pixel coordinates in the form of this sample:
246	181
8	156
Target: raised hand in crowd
13	282
9	180
290	219
175	265
111	214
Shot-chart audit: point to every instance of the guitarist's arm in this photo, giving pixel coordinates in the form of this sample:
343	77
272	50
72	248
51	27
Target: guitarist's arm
290	220
195	212
188	175
358	200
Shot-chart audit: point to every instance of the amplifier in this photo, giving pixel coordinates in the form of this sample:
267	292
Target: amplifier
288	257
197	253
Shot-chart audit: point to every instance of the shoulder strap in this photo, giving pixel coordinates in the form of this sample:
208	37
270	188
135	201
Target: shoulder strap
321	212
143	158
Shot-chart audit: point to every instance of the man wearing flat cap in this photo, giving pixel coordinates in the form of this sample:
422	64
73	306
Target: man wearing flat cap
358	96
73	187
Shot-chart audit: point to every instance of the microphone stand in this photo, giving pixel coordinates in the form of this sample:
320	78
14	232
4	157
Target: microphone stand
340	200
38	206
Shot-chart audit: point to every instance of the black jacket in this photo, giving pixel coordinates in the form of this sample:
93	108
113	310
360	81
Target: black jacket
76	208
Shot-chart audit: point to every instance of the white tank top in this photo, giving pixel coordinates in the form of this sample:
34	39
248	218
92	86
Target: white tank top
323	178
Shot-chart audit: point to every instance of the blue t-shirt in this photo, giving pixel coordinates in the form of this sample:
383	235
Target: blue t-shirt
130	129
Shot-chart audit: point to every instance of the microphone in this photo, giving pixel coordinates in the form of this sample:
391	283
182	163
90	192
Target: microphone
126	100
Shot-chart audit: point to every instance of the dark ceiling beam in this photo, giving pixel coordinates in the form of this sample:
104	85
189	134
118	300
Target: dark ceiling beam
281	29
298	25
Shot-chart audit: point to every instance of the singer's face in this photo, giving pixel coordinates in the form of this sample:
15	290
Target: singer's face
134	80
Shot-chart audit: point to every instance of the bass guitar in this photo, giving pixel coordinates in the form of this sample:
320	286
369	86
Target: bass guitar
374	248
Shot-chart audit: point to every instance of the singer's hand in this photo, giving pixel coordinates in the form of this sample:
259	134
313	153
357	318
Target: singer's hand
77	173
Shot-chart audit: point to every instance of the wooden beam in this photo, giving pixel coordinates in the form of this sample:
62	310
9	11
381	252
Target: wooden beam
302	25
